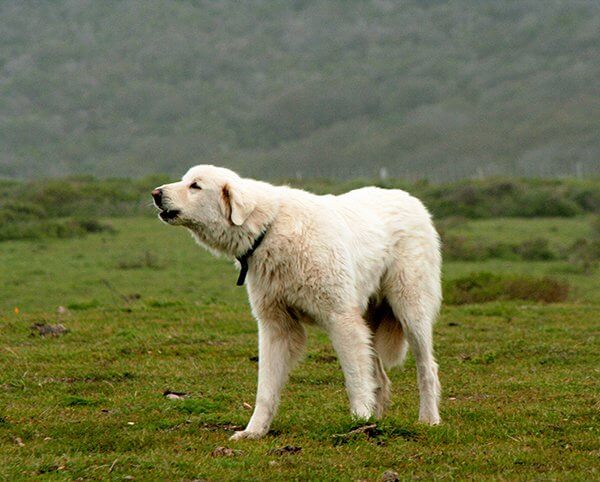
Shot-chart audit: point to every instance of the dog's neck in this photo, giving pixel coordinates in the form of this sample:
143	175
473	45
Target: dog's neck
236	241
243	259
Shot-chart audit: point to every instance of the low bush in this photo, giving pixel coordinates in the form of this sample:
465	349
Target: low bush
506	251
547	203
461	248
485	287
587	197
20	211
30	210
86	196
595	225
537	249
585	255
93	226
41	229
511	198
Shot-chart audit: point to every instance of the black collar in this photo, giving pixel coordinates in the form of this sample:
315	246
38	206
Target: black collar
243	259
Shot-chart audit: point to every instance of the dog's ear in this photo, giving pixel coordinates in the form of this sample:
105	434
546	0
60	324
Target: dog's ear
236	203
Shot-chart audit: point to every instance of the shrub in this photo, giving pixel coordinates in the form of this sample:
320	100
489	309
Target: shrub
20	211
90	198
459	248
41	229
587	199
514	198
485	287
93	226
585	254
547	204
502	251
535	250
595	225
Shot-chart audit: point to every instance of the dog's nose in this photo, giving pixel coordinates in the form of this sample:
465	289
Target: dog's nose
157	195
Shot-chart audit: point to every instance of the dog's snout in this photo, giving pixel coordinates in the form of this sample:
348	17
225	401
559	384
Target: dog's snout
157	195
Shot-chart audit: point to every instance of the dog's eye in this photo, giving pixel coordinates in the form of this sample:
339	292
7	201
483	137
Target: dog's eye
195	185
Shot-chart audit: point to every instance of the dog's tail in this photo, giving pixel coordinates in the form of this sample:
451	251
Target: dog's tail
388	337
390	343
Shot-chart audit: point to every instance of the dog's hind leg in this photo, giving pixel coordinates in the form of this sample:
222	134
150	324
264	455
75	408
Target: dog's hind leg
415	301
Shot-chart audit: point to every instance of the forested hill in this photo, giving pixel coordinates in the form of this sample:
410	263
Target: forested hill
275	88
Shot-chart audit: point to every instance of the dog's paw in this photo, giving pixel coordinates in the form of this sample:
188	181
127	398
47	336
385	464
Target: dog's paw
430	419
363	412
245	434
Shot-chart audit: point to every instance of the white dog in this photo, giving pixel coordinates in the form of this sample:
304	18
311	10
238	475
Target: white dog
365	266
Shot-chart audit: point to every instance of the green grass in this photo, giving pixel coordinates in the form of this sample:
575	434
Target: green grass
520	402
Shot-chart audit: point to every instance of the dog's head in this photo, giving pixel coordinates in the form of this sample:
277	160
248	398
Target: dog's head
214	203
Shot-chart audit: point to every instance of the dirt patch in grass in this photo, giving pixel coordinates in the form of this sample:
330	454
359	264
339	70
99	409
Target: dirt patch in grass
285	450
220	427
226	452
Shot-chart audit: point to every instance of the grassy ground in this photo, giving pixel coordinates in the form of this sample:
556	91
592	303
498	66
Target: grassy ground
148	311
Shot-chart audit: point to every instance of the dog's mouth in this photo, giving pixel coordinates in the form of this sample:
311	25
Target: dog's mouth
169	214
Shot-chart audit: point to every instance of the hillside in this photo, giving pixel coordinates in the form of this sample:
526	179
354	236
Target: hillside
425	88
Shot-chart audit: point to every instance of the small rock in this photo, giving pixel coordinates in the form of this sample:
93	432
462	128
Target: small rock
44	329
19	442
171	395
390	476
225	452
174	396
61	310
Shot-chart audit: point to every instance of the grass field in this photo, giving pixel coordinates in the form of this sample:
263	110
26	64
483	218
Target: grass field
148	311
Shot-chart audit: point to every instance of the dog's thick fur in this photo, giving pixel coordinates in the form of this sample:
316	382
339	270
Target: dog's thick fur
365	266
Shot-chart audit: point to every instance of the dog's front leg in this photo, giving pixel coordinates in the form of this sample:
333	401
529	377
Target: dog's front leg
280	343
